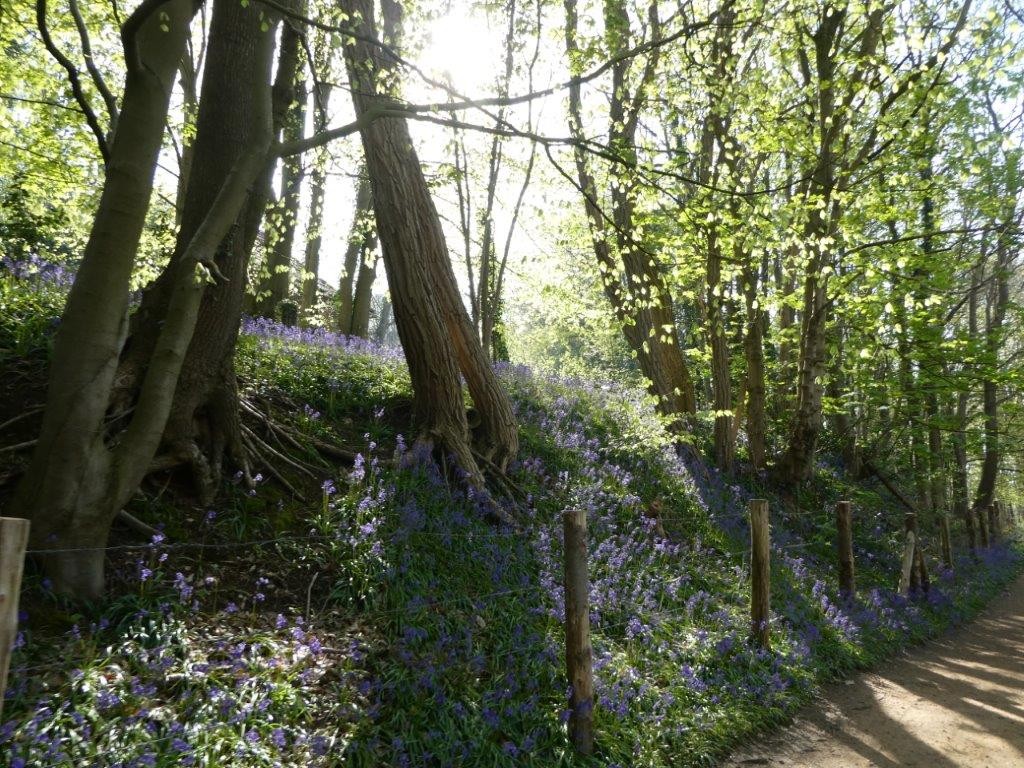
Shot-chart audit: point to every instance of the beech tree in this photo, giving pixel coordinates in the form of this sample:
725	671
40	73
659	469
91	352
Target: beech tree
360	266
79	478
631	277
205	428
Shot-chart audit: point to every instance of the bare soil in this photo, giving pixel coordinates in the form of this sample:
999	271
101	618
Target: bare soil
957	701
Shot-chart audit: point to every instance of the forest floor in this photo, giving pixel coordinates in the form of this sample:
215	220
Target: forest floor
957	701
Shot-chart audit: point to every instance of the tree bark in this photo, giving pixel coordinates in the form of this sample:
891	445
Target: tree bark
361	235
632	281
235	108
66	491
280	215
753	348
190	102
798	462
235	104
380	333
998	301
362	298
77	482
435	330
318	183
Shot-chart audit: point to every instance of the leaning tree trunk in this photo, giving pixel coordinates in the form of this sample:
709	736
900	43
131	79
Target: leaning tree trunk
204	426
435	330
67	490
77	482
643	307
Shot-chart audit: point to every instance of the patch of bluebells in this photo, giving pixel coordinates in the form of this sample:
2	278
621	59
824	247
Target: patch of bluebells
463	662
270	330
165	692
36	268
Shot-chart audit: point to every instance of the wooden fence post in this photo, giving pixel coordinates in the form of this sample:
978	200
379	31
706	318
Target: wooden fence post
844	524
13	540
760	573
908	564
578	653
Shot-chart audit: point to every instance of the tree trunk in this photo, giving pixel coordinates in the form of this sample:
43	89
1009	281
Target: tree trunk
361	234
380	333
67	490
640	300
361	299
436	332
997	304
785	284
961	490
189	105
798	462
204	426
753	343
833	164
77	482
280	215
721	372
314	234
282	218
205	423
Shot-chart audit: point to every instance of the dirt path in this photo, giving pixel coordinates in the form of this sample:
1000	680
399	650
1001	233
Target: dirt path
958	701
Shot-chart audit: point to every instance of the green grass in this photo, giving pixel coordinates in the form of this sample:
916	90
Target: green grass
394	625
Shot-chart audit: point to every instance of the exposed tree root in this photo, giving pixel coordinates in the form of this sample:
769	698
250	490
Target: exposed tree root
502	479
136	525
18	446
265	446
20	416
264	462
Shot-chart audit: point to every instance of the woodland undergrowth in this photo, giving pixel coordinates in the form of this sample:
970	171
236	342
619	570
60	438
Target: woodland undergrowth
354	605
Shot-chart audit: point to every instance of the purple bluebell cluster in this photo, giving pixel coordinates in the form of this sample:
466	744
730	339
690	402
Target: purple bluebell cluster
270	330
38	270
433	636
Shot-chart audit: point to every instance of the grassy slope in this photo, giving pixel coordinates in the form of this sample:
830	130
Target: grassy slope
394	626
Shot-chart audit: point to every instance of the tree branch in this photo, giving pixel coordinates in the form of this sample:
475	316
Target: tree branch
94	72
73	80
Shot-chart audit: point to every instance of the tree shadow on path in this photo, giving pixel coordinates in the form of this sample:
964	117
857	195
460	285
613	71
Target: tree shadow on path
957	702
